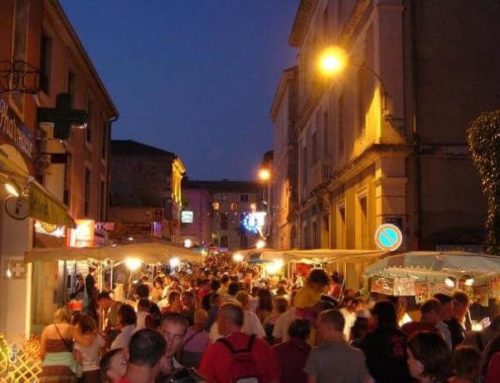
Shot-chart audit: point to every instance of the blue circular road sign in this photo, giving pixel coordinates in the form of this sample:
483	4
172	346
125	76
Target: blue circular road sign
388	237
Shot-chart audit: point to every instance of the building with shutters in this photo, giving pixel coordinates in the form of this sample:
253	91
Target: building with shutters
42	57
384	141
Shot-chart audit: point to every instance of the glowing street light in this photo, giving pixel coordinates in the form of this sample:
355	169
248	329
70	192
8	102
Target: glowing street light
237	257
133	264
188	243
260	244
332	61
264	174
11	189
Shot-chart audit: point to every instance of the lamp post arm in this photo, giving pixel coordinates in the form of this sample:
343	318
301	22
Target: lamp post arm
382	87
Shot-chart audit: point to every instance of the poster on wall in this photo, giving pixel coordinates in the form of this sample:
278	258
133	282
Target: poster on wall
421	291
383	286
404	287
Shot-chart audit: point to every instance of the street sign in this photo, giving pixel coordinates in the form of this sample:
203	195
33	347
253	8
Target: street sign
388	237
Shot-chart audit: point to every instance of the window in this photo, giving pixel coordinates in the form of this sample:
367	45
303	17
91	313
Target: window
45	63
224	241
72	87
340	13
361	97
363	215
86	203
215	205
233	206
243	241
340	123
324	23
104	140
224	221
315	152
244	198
19	52
102	201
223	197
304	166
341	227
314	235
67	181
325	134
90	120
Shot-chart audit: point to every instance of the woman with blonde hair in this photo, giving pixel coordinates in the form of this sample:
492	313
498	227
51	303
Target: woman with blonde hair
56	350
88	356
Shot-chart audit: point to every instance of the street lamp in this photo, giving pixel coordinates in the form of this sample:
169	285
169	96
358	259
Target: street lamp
260	244
334	60
264	174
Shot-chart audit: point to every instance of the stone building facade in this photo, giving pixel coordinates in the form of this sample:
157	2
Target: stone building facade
229	203
284	177
384	141
146	196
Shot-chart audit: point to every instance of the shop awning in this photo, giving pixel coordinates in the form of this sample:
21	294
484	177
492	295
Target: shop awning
432	264
42	204
151	253
322	255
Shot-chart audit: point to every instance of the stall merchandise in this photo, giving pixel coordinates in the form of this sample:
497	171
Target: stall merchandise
423	274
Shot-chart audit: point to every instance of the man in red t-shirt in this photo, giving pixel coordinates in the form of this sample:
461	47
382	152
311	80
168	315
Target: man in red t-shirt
430	312
226	358
146	352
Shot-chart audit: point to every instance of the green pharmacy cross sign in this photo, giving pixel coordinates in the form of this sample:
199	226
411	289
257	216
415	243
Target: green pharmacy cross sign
388	237
62	116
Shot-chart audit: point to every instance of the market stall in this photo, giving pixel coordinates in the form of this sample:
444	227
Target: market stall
423	274
348	262
58	268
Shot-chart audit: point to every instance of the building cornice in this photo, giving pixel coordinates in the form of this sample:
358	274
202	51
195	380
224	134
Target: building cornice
301	22
356	19
366	159
287	76
58	17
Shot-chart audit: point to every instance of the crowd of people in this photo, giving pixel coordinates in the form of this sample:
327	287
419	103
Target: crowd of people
223	323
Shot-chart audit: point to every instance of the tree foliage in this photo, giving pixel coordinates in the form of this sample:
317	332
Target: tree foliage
483	136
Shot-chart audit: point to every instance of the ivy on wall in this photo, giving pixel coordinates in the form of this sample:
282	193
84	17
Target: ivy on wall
483	136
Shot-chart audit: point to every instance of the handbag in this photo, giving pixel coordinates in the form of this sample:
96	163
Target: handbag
74	365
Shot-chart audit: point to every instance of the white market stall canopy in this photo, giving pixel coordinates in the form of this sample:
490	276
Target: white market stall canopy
151	253
426	265
320	255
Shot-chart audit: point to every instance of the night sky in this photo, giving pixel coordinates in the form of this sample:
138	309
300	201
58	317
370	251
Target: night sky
194	77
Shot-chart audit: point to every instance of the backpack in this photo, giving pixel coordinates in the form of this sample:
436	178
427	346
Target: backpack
243	367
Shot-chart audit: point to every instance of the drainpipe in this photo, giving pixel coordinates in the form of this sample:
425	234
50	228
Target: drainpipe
108	177
417	168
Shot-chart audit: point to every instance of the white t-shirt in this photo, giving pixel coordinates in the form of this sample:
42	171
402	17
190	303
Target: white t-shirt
123	338
251	325
349	318
90	354
282	324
